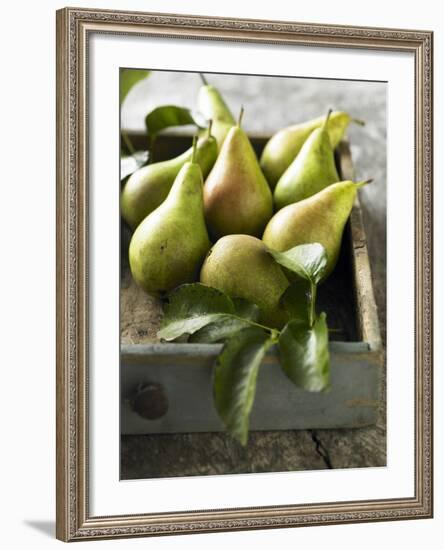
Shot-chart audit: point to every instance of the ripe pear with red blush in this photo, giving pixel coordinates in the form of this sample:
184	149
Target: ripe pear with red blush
237	197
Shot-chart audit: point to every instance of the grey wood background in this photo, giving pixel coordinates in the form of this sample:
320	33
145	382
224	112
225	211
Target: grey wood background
271	103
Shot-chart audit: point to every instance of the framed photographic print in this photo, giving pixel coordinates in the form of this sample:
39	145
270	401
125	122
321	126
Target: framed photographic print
244	274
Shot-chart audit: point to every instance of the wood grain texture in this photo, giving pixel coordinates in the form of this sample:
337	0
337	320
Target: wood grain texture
140	313
152	456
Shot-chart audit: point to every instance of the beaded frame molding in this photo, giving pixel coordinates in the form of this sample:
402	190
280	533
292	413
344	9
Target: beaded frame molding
74	521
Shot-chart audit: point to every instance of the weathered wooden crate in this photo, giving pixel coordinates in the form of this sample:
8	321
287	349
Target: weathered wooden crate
167	388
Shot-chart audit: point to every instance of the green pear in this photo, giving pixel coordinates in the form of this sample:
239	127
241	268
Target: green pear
311	171
167	249
237	197
282	148
148	187
318	219
212	106
240	266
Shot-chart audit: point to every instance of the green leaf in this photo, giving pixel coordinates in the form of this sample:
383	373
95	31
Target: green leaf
304	354
219	330
167	116
236	372
130	163
296	300
192	306
128	78
246	309
228	325
306	260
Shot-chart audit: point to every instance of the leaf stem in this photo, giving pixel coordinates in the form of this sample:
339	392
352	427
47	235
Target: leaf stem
312	314
254	324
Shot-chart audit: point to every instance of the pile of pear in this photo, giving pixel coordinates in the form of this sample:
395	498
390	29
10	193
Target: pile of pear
212	214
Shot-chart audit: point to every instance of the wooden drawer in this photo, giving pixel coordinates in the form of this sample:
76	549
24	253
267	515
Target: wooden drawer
179	376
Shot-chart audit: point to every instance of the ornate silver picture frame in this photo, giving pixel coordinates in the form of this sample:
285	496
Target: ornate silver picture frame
74	26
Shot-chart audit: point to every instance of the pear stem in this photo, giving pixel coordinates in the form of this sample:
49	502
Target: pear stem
193	156
358	121
210	125
128	142
204	80
241	114
360	184
325	124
